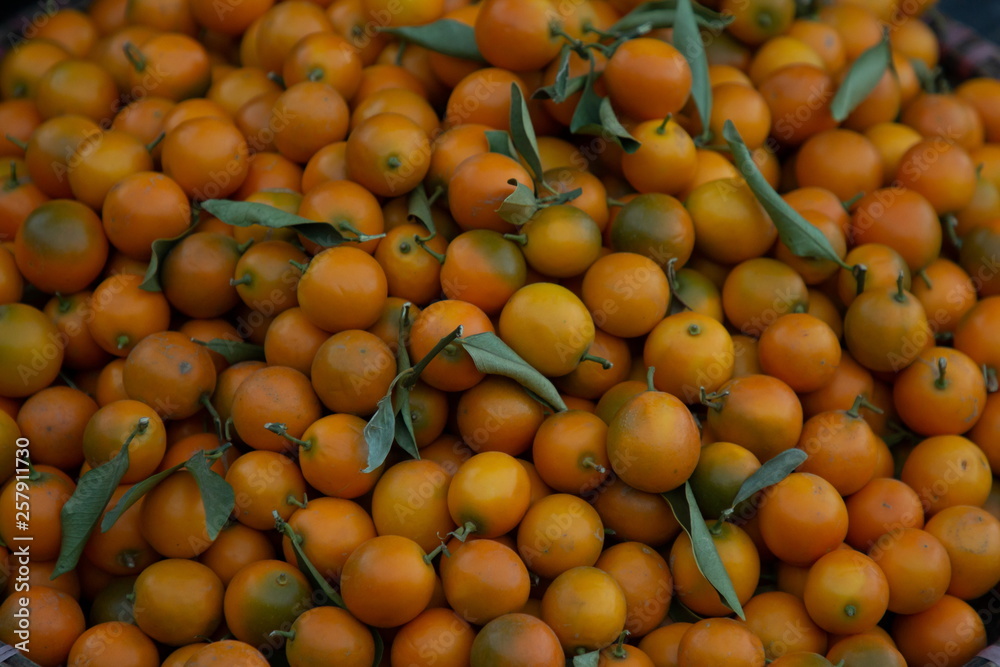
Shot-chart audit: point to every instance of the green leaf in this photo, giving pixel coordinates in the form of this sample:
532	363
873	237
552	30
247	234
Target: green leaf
245	214
558	91
706	556
379	647
403	430
663	14
234	351
447	36
802	238
381	429
217	495
687	39
522	132
316	580
132	496
80	513
520	205
499	142
492	355
772	472
679	613
558	95
861	79
419	207
161	248
561	198
591	659
594	115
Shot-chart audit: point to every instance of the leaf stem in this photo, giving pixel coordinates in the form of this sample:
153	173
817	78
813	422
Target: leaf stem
942	365
281	429
462	534
419	367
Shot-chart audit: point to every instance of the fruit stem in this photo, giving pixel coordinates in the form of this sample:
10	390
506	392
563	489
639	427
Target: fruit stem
950	229
900	294
716	528
992	386
65	378
433	253
277	78
847	204
649	378
206	403
605	364
122	341
461	534
345	226
315	74
299	265
281	429
64	303
850	611
859	271
439	549
589	462
23	145
11	183
155	142
927	281
710	400
295	502
619	651
861	402
517	238
245	280
134	56
614	202
436	350
663	126
394	162
942	366
287	634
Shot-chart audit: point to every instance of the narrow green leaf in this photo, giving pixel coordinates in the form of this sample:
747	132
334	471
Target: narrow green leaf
594	115
772	472
610	122
687	39
217	495
591	659
381	430
80	513
499	142
404	430
447	36
861	79
802	238
706	556
419	207
522	132
519	205
679	613
379	647
245	214
132	496
316	580
559	95
561	198
161	248
234	351
492	355
663	14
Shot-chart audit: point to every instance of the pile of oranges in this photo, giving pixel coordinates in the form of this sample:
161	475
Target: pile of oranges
433	333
